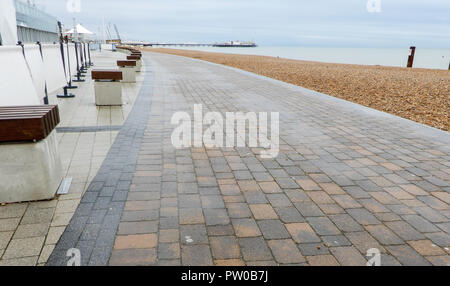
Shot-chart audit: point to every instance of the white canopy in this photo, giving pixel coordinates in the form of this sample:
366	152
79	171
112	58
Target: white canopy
79	30
8	24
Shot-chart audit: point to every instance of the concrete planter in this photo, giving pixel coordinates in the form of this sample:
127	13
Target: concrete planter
30	171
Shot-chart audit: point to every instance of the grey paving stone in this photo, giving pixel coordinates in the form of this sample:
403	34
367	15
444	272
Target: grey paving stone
216	217
439	238
348	256
323	226
363	216
193	234
345	223
196	255
405	231
289	215
273	229
309	209
384	235
255	249
407	256
420	223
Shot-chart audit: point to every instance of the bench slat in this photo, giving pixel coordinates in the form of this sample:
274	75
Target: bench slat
126	63
107	75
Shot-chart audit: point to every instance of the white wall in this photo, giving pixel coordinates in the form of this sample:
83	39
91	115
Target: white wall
16	84
8	25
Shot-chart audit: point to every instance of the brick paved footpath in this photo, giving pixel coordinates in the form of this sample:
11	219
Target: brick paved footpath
347	179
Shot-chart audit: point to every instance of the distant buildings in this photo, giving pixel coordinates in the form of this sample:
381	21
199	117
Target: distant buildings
24	22
34	25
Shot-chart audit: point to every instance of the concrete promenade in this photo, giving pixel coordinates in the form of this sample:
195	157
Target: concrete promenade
347	179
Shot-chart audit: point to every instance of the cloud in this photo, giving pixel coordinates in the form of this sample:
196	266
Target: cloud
281	22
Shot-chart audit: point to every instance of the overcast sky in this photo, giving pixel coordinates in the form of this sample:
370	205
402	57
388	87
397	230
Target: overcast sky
344	23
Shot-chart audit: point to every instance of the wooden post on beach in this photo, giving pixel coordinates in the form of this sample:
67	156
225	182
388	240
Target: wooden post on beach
411	57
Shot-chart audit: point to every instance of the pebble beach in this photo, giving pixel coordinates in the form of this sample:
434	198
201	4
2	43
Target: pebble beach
421	95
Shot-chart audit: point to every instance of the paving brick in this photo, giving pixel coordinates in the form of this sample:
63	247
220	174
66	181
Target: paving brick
191	216
332	188
142	227
169	251
229	262
331	209
289	215
189	201
196	255
346	201
212	202
273	229
345	223
384	235
224	247
193	234
12	211
246	228
348	256
24	247
362	216
169	235
363	241
140	215
255	249
220	230
216	217
302	233
261	211
141	241
308	209
440	238
426	248
322	260
248	186
141	205
407	256
320	197
270	187
297	196
133	257
420	223
323	226
19	262
404	230
430	214
230	190
285	251
287	183
238	210
443	260
31	230
308	185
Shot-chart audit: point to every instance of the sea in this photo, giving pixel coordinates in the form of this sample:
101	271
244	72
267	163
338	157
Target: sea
395	57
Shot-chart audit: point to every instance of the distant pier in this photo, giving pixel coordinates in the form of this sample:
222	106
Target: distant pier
230	44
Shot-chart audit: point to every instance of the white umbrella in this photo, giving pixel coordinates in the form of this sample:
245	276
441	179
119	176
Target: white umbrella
80	30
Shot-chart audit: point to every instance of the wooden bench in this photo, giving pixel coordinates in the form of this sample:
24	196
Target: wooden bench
27	123
138	59
107	86
30	166
129	69
107	75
